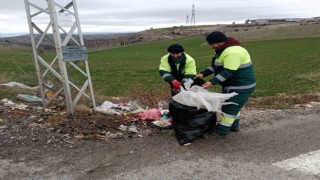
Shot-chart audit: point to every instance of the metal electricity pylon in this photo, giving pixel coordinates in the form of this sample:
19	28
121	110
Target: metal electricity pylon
187	20
59	54
193	15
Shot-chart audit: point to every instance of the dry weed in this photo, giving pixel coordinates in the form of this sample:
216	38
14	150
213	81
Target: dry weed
282	100
150	97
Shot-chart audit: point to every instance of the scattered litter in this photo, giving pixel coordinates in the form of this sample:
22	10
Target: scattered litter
12	105
20	106
29	98
117	109
49	94
137	111
7	102
164	112
107	105
114	135
163	105
12	84
3	127
308	105
151	114
68	141
115	98
163	122
128	128
49	84
108	111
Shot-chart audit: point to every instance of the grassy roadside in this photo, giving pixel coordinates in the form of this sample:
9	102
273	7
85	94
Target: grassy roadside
285	69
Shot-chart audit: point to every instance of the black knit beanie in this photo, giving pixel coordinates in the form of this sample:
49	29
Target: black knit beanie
175	48
216	37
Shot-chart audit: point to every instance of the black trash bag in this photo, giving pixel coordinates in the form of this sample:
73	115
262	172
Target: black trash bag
190	123
198	82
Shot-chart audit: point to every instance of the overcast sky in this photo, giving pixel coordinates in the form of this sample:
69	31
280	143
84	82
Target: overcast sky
138	15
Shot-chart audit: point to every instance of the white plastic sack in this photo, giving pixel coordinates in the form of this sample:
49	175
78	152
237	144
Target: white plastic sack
202	99
195	88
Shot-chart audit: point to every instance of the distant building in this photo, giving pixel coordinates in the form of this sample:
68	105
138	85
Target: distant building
282	21
260	21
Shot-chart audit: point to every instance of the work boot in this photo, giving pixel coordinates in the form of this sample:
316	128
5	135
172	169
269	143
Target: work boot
235	126
222	130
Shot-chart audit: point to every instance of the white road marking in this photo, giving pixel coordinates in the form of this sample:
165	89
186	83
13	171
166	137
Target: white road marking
308	163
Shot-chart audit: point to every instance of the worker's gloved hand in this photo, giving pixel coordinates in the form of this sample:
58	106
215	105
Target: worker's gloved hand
176	85
200	75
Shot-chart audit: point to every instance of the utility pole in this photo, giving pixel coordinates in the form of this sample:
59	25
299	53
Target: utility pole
65	74
193	16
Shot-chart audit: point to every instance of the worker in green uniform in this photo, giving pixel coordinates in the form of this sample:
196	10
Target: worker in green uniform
233	70
176	67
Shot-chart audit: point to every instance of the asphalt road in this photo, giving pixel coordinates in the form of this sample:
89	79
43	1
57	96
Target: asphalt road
255	153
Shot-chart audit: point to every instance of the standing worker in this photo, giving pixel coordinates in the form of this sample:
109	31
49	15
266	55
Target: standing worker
233	70
176	67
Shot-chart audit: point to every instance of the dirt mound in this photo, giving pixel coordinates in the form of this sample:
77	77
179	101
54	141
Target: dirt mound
97	125
30	126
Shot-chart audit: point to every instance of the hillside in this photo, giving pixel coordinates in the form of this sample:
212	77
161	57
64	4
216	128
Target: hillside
279	32
241	31
51	144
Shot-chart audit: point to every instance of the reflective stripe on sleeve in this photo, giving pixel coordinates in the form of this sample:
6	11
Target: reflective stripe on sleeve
210	68
240	87
218	63
220	78
166	75
246	65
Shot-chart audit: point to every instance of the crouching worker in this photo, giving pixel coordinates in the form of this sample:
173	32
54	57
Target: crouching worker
176	67
233	70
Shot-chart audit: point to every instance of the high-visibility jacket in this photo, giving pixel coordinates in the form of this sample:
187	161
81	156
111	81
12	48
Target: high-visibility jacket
233	70
170	71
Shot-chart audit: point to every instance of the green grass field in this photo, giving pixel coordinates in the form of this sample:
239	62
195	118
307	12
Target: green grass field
283	66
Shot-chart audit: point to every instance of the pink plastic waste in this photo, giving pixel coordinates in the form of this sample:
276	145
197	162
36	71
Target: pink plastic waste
151	114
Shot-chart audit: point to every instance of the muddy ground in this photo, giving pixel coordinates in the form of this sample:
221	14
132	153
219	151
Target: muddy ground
53	145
